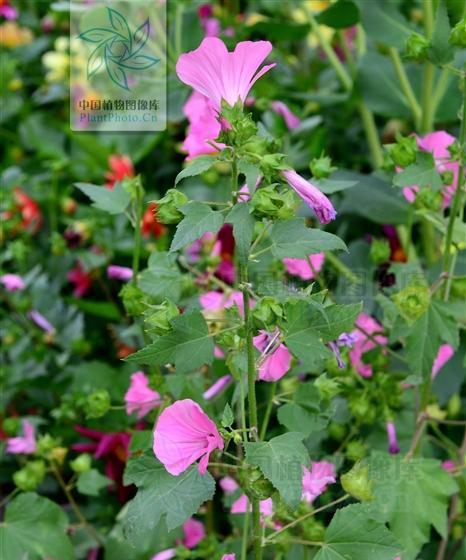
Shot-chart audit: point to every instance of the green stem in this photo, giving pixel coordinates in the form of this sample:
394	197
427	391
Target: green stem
137	232
440	88
372	136
405	85
340	267
268	410
8	498
429	73
244	540
256	529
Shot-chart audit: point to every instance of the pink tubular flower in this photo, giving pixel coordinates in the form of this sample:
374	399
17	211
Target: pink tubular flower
218	74
203	127
12	282
116	272
242	504
393	446
312	196
301	267
183	434
217	387
23	444
316	479
291	120
228	484
139	397
364	344
41	321
444	354
276	358
120	167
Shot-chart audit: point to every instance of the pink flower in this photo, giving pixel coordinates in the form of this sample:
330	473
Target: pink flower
194	532
315	199
81	279
242	504
218	74
183	434
228	485
276	358
448	465
41	321
139	397
217	387
26	444
393	446
216	302
207	245
231	556
116	272
444	354
291	120
301	268
316	479
203	127
7	10
12	282
364	344
167	554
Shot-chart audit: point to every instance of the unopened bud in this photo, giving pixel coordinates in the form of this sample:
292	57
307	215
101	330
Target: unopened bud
458	34
97	403
82	463
168	207
356	483
416	47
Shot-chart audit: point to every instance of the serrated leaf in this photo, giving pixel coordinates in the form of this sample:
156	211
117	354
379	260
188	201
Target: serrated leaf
160	494
441	51
188	346
292	238
162	279
251	172
34	527
91	482
243	229
421	173
297	419
353	535
281	461
198	166
113	201
199	219
227	416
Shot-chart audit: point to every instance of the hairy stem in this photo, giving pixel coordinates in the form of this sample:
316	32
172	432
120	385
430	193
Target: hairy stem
405	85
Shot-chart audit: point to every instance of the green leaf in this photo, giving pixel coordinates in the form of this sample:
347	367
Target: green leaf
384	23
199	219
251	172
281	461
410	495
243	229
339	15
189	345
330	186
297	419
91	482
227	416
421	173
160	494
198	166
291	238
162	279
353	535
104	309
113	201
337	320
34	527
441	51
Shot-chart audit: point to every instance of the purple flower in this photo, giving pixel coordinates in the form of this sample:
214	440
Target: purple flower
41	321
393	446
291	120
217	387
12	282
116	272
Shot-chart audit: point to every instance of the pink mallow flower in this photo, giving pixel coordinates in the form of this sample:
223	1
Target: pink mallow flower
363	344
242	504
393	446
316	479
448	465
445	353
193	533
12	282
291	120
301	267
115	272
312	196
228	485
139	397
275	357
218	74
23	444
216	302
217	387
231	556
183	434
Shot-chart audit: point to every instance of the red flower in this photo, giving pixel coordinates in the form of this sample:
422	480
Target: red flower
81	279
29	209
150	225
120	167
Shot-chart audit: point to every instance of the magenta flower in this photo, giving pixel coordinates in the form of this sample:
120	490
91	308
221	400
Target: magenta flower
448	465
81	279
25	444
444	354
216	302
193	533
228	485
316	479
231	556
393	446
37	318
242	504
183	434
315	199
7	10
275	358
301	267
12	282
204	126
139	397
217	387
115	272
291	120
218	74
363	344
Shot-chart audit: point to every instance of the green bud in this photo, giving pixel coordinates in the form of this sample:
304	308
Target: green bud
82	463
321	167
328	388
30	476
337	431
57	244
272	162
412	302
454	405
428	199
447	177
45	444
132	298
266	312
356	450
167	210
242	127
380	251
403	153
361	409
458	288
11	425
258	486
416	47
458	34
157	318
313	530
97	403
356	483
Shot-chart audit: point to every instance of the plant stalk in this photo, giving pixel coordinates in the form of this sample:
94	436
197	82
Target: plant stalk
405	85
137	232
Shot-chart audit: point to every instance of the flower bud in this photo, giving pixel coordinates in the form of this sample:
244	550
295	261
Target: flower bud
167	210
356	450
97	403
337	431
416	47
82	463
268	202
428	199
132	298
313	530
45	445
30	476
454	405
361	409
412	302
447	177
458	288
272	162
266	312
403	153
458	34
356	483
328	388
380	251
157	317
321	167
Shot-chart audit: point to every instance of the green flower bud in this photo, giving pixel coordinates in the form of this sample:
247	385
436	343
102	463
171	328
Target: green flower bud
45	444
57	244
167	210
272	162
458	288
132	298
361	409
458	34
328	388
416	47
268	202
11	425
412	302
356	450
403	153
30	476
454	405
266	312
428	199
380	251
356	483
447	177
157	318
321	167
337	431
313	530
97	403
82	463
